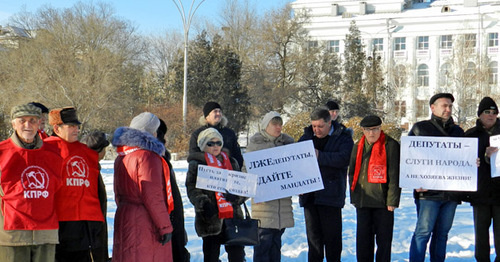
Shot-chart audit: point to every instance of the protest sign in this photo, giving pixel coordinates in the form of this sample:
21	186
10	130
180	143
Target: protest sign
284	171
494	159
222	180
438	163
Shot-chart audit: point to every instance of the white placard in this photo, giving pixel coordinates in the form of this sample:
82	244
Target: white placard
222	180
438	163
494	159
284	171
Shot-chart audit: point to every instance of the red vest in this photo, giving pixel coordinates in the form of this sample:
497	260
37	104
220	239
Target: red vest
78	197
29	180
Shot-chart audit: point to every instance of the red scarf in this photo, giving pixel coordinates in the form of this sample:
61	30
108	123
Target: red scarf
125	150
377	166
224	206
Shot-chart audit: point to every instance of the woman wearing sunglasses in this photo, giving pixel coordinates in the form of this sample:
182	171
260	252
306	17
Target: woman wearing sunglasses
212	207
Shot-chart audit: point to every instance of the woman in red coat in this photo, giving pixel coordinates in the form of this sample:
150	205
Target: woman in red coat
142	193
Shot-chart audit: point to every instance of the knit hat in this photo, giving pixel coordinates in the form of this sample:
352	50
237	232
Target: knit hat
441	95
370	121
25	110
95	140
332	105
145	121
61	116
267	118
44	109
207	135
485	104
209	106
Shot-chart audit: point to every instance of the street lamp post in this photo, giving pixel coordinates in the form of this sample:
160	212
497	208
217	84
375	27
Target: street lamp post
186	22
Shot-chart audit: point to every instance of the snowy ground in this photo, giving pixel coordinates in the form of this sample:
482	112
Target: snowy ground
460	242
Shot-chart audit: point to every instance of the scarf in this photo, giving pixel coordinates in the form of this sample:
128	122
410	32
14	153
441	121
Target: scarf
377	166
125	150
225	208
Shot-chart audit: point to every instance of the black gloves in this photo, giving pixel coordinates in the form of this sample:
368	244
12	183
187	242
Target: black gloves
209	210
165	238
230	197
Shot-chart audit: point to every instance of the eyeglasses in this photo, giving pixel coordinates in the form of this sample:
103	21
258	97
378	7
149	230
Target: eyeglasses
490	112
214	143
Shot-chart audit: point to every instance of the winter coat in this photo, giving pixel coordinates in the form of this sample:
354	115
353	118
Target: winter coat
28	237
436	127
278	213
228	136
333	162
141	216
212	225
488	189
376	195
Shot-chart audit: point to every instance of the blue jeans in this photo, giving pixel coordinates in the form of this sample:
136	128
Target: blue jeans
436	218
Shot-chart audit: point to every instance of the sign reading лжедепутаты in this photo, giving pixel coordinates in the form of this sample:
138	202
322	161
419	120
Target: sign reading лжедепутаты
284	171
438	163
222	180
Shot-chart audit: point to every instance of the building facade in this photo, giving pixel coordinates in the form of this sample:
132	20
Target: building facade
425	47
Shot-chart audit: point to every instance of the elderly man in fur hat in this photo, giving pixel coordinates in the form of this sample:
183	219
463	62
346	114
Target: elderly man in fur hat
78	208
213	117
30	172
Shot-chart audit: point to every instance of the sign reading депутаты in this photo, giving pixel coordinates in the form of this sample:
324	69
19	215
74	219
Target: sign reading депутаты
284	171
222	180
438	163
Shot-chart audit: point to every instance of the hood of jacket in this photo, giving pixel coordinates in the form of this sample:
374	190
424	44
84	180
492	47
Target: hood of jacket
203	121
126	136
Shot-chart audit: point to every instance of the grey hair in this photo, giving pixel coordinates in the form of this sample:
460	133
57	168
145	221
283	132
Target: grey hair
321	113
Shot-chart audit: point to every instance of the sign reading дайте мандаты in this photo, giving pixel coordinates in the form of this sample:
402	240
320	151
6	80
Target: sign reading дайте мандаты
284	171
438	163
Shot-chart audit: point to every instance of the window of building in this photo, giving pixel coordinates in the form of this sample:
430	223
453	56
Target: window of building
334	46
445	75
422	107
470	74
423	75
378	44
400	108
400	43
470	40
493	73
423	43
492	39
400	76
446	41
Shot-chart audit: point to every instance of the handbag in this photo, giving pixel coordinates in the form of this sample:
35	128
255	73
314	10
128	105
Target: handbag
241	232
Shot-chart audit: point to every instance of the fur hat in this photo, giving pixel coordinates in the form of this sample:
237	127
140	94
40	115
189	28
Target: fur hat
332	105
207	135
145	121
61	116
209	106
485	104
95	140
267	118
25	110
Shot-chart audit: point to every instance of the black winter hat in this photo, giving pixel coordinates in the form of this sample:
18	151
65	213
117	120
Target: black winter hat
209	106
441	95
370	121
485	104
96	141
332	105
44	109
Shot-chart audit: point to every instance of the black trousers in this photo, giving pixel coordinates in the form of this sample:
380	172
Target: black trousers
374	225
324	232
483	215
211	250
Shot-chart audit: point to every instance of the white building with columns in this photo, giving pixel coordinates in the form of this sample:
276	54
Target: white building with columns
424	46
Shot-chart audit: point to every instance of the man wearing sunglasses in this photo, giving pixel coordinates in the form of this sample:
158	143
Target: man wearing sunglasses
486	200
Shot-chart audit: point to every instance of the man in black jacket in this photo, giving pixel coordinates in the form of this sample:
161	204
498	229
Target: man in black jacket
435	209
323	209
486	200
212	117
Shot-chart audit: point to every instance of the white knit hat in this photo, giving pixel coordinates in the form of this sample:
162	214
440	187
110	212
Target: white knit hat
145	122
267	118
207	135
